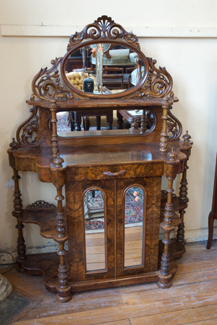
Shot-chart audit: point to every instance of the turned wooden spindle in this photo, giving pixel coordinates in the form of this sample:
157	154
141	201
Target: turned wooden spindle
61	237
143	124
183	192
164	277
163	139
18	209
54	137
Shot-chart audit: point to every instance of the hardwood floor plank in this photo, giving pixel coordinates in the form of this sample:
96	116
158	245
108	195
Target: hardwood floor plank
126	311
197	266
80	302
205	288
206	322
178	317
121	322
180	278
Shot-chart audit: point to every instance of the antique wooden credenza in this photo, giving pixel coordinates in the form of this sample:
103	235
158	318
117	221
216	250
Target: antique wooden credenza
122	167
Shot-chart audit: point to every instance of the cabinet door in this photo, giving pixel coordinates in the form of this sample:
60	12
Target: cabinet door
91	223
137	225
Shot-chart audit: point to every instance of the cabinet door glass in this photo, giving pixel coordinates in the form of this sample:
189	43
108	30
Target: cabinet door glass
133	227
94	212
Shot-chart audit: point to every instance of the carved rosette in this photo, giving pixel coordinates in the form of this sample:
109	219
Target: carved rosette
46	84
103	28
28	133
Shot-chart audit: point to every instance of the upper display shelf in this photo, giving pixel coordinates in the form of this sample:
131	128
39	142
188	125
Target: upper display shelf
103	61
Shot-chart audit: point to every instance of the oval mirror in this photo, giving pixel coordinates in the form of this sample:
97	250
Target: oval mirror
103	69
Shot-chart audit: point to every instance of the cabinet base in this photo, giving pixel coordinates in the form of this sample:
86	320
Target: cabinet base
47	264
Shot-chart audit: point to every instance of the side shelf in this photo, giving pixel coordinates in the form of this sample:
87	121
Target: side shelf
178	204
42	214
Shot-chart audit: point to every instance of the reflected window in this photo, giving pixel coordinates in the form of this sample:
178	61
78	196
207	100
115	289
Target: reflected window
134	226
94	214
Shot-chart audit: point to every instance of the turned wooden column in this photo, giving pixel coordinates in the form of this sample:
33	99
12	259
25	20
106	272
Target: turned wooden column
163	139
54	136
64	294
165	276
18	208
183	192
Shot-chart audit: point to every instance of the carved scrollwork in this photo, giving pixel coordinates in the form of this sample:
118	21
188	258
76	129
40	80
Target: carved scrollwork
159	83
28	133
46	83
40	204
174	127
103	28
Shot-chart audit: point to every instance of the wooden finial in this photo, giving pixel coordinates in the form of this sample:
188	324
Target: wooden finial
58	161
186	137
14	145
172	155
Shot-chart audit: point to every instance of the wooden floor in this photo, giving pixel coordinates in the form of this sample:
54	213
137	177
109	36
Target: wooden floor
191	300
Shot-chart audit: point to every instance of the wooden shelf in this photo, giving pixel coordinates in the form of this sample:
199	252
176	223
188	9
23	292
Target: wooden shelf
178	205
45	218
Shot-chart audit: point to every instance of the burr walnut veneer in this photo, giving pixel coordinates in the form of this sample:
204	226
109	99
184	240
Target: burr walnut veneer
112	162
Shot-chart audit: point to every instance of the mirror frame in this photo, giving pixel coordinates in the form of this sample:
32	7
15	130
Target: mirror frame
126	93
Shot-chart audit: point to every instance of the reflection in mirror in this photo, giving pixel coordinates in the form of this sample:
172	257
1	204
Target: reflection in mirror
134	225
106	123
108	68
94	213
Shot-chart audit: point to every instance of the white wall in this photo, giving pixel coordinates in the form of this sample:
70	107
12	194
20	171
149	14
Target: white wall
192	61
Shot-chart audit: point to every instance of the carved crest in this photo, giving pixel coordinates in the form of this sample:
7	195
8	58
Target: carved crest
103	28
157	82
40	204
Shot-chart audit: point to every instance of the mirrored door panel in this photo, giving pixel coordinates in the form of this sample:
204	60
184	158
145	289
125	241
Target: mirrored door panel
133	226
95	241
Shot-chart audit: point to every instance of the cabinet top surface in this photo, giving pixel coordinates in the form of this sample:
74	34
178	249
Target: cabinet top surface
104	154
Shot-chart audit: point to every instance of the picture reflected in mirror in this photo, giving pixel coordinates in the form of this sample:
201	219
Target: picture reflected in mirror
110	68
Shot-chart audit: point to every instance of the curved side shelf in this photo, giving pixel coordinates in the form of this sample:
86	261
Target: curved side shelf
178	205
44	217
43	264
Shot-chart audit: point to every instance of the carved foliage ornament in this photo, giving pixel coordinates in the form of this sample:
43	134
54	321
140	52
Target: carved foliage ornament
174	127
104	27
159	82
28	133
46	84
